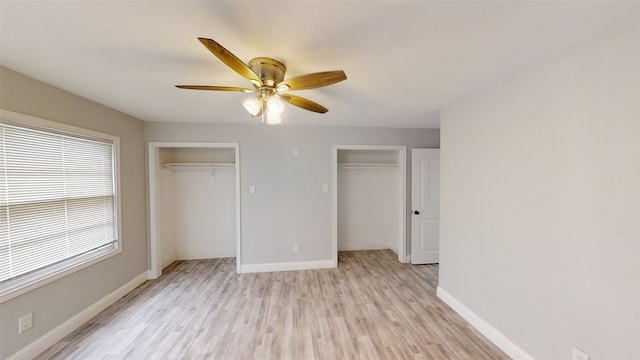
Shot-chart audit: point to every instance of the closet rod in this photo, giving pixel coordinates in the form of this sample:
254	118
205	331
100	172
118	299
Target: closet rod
196	165
367	165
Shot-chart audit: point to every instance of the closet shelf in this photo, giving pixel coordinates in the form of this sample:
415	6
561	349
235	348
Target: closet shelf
194	165
367	165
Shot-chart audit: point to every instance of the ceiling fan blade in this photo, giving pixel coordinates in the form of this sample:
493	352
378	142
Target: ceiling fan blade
315	80
304	103
217	88
232	61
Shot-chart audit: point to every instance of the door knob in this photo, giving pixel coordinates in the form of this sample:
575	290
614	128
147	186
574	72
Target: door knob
417	212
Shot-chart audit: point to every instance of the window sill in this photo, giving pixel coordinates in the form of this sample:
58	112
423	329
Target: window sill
13	288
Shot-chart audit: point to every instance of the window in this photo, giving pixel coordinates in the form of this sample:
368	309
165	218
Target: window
58	203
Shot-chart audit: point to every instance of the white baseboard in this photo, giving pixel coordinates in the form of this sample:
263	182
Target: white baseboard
495	336
303	265
354	246
202	255
49	339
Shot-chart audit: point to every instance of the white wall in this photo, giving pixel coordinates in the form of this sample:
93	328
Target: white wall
56	302
289	205
197	206
166	230
204	213
368	209
540	208
368	200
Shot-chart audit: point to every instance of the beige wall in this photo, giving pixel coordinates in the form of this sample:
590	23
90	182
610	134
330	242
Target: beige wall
540	216
289	206
58	301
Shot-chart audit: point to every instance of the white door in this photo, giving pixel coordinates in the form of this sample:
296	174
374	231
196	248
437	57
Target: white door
425	206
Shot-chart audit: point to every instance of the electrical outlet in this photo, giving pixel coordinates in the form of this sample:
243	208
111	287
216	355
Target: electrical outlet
577	354
325	187
296	153
25	322
296	247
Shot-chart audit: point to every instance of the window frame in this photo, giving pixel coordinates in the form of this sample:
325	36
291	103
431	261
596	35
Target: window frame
29	282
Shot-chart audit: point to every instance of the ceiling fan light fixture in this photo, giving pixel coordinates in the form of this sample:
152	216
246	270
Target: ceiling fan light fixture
253	105
274	105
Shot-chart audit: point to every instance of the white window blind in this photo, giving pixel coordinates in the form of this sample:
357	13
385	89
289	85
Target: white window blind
57	198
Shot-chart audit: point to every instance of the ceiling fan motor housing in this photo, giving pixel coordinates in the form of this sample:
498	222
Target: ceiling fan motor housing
270	71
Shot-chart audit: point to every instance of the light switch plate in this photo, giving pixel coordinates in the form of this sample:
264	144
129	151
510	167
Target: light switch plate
252	189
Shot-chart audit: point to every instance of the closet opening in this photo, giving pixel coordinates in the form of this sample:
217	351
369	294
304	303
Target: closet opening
369	204
194	202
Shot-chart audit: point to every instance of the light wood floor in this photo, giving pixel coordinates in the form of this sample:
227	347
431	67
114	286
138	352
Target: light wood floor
370	307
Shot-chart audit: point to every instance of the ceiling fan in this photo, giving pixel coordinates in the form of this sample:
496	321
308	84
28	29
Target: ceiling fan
267	77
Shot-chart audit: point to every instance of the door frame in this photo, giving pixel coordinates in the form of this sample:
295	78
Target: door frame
402	189
153	157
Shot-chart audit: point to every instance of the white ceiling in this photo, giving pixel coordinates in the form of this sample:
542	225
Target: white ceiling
404	60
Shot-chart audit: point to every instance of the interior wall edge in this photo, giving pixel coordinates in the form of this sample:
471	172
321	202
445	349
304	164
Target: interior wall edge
496	337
